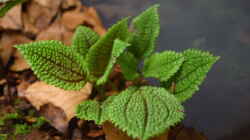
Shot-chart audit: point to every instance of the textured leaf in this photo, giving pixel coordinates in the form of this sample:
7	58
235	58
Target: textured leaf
8	5
163	65
83	39
192	73
147	28
105	109
118	48
89	110
55	64
145	112
129	65
94	111
100	53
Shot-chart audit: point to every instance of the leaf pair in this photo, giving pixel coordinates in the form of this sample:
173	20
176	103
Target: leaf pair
191	74
180	73
145	30
142	112
88	59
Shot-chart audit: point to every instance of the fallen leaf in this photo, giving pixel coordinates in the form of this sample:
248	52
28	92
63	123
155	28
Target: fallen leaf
113	133
70	3
92	18
12	20
57	104
37	17
180	132
56	32
22	87
95	133
83	16
71	19
7	41
3	81
20	63
36	135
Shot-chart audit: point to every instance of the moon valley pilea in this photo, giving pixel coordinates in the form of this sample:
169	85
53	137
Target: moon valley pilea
141	111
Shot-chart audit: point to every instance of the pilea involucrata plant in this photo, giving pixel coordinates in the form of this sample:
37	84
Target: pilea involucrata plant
141	110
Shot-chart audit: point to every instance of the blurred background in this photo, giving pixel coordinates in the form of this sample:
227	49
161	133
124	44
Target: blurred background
221	109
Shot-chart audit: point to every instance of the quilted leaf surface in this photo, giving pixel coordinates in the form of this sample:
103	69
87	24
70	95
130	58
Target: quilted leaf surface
143	112
83	39
55	64
163	65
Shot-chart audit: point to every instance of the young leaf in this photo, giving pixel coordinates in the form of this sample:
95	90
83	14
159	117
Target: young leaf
100	53
163	65
89	110
129	65
55	64
191	74
118	48
93	110
145	112
8	5
147	28
83	39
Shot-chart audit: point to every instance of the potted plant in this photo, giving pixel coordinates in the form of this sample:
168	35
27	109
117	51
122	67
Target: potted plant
138	111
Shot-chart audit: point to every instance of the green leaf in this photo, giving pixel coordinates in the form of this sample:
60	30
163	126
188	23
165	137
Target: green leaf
39	122
147	28
8	116
3	136
8	5
105	109
89	110
163	65
118	48
145	112
100	53
55	64
191	74
93	110
21	129
83	39
129	65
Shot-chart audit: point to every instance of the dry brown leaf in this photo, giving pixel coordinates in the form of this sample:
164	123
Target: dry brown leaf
56	104
20	63
56	32
92	18
3	81
7	41
95	133
12	20
22	87
180	132
70	3
83	15
35	134
112	133
71	19
38	17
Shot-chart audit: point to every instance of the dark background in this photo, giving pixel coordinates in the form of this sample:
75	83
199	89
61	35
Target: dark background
221	109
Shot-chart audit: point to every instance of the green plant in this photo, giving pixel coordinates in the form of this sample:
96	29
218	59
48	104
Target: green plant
142	110
8	5
3	136
19	128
